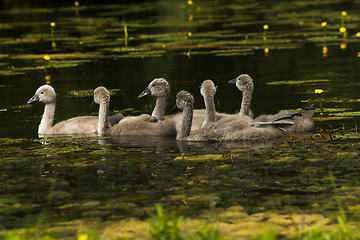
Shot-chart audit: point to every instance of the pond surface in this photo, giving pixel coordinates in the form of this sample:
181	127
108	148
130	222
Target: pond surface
123	46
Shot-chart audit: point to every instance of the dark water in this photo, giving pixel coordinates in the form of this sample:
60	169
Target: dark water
132	75
227	40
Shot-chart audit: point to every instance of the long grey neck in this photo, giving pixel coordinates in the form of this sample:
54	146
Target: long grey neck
245	103
159	109
210	115
48	118
102	122
184	131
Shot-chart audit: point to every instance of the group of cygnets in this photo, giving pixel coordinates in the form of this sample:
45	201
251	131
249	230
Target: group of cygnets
190	125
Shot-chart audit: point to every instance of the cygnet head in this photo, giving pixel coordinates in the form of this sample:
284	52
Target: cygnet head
184	100
244	82
208	88
101	95
45	94
158	87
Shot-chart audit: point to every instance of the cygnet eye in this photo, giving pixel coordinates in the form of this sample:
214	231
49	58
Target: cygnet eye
42	92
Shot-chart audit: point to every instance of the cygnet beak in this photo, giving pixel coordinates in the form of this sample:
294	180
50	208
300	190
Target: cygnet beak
232	81
33	99
144	93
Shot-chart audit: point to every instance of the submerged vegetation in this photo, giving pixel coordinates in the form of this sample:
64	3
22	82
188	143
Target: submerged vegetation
286	187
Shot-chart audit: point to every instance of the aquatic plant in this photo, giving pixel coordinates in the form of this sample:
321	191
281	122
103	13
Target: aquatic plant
76	6
266	51
165	226
293	82
325	51
324	24
342	28
83	237
46	63
265	27
53	44
47	79
89	235
266	47
318	93
126	35
324	48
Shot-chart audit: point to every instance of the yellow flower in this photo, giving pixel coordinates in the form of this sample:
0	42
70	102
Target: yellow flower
189	2
265	27
342	29
343	46
315	205
323	24
266	50
48	79
47	57
318	91
76	3
358	34
83	237
190	17
189	34
324	50
52	24
344	13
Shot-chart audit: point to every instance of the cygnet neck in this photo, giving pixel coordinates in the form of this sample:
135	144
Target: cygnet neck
48	117
102	122
159	109
210	115
246	102
184	131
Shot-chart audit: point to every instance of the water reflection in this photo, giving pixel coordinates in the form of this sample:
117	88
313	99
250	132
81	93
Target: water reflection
170	145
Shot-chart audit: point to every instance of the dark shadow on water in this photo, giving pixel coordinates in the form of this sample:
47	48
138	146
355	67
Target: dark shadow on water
170	145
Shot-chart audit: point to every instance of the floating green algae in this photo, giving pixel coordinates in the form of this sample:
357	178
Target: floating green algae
345	114
10	72
9	141
325	118
90	92
298	82
347	136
